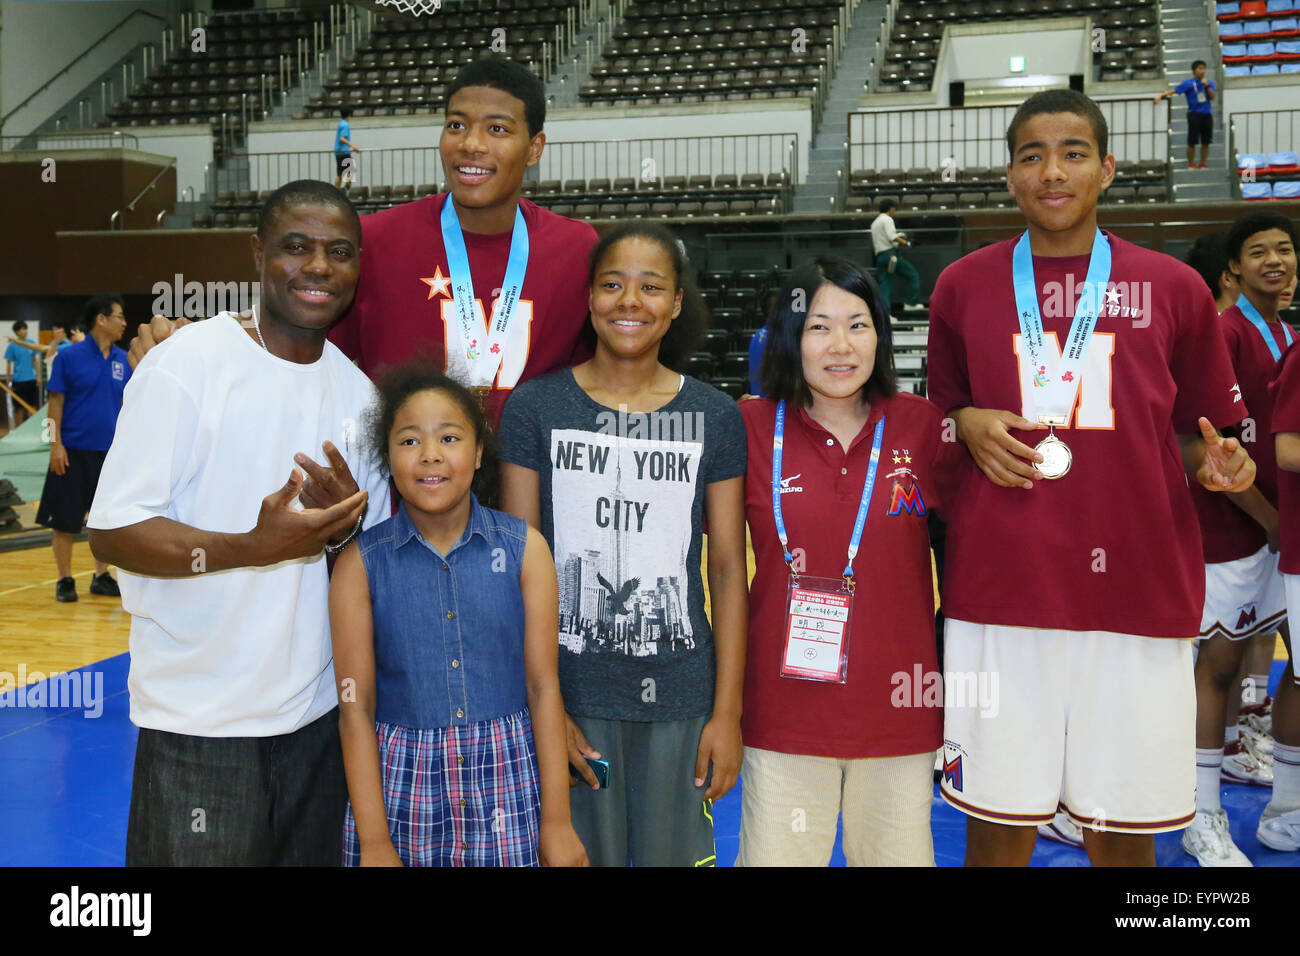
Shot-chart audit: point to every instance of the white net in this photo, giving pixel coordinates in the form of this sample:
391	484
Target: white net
414	8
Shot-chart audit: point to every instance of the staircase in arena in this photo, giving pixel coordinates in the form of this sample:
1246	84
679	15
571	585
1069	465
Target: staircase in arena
826	158
1188	35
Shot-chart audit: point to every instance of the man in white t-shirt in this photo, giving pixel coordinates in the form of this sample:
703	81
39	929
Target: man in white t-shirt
232	676
886	243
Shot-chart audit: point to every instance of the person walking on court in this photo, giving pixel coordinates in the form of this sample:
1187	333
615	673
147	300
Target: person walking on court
343	147
1200	115
886	241
85	396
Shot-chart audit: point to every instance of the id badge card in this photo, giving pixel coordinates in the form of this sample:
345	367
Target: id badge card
816	645
1200	94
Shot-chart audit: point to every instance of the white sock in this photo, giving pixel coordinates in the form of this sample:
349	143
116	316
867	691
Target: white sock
1286	778
1230	734
1208	764
1255	689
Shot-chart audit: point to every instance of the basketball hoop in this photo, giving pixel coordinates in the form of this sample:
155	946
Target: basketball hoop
414	8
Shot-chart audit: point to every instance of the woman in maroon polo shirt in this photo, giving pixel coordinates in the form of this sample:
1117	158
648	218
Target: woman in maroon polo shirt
863	741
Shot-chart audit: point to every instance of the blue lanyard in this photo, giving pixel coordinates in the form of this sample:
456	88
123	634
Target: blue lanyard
778	442
1252	314
1057	400
485	358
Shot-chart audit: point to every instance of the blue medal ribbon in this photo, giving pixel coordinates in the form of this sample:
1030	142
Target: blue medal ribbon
778	443
1058	390
483	362
1252	315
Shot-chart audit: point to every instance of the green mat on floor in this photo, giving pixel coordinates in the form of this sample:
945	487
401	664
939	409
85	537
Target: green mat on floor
25	456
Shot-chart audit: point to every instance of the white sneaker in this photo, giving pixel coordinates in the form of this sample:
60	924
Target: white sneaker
1062	830
1257	742
918	307
1243	765
1258	717
1279	830
1208	840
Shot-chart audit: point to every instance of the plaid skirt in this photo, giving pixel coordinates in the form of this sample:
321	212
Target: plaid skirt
458	796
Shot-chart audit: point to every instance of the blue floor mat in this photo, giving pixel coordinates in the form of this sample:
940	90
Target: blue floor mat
65	786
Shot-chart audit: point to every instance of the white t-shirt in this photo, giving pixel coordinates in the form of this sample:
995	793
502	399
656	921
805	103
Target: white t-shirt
883	232
209	425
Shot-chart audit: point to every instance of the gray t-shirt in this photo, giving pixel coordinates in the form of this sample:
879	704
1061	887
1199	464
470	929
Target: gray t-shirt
622	499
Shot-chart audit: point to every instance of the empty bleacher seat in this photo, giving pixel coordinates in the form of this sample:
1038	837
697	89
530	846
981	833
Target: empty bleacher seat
1257	190
1286	189
1121	195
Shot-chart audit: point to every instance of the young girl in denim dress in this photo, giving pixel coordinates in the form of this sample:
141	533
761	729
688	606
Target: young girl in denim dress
444	627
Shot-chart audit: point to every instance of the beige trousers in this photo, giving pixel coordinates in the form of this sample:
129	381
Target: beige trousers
791	803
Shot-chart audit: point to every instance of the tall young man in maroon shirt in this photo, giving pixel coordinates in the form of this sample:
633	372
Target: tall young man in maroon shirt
404	306
1081	593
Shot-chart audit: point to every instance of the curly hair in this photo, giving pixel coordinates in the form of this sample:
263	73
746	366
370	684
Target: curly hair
397	385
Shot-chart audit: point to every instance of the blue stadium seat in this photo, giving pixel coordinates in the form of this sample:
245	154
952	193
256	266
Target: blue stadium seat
1251	27
1256	190
1265	69
1267	48
1227	9
1279	6
1234	49
1289	47
1283	161
1285	25
1232	28
1288	189
1252	161
1238	69
1287	68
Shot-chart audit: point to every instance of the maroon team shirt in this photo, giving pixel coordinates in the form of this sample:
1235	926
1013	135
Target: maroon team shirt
403	307
1227	532
1114	545
1285	392
892	628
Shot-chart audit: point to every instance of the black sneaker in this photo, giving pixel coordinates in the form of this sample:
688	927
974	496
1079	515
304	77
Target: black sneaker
65	590
105	585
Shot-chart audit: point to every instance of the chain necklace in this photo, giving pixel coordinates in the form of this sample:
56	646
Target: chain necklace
258	329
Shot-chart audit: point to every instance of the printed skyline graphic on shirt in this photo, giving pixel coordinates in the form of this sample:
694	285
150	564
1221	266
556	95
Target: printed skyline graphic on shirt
622	515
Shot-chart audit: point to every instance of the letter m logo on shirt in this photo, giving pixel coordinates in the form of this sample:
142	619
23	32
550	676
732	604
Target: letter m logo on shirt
1247	618
952	772
908	500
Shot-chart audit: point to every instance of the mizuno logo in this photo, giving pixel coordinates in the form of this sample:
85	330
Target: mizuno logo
785	484
1236	393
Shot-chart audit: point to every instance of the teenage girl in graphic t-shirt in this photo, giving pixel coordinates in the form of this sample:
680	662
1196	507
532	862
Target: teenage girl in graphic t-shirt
625	510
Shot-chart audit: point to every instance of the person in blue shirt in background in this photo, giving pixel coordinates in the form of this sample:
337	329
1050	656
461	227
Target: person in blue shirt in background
20	371
1200	116
343	147
85	393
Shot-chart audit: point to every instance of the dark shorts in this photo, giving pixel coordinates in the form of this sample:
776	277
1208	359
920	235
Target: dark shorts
340	159
1200	128
29	392
67	497
238	801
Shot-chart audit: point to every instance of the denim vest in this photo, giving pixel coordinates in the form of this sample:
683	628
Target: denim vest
448	632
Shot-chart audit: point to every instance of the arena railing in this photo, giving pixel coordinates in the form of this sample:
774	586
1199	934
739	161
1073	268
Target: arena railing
643	159
638	159
947	140
86	139
1260	131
